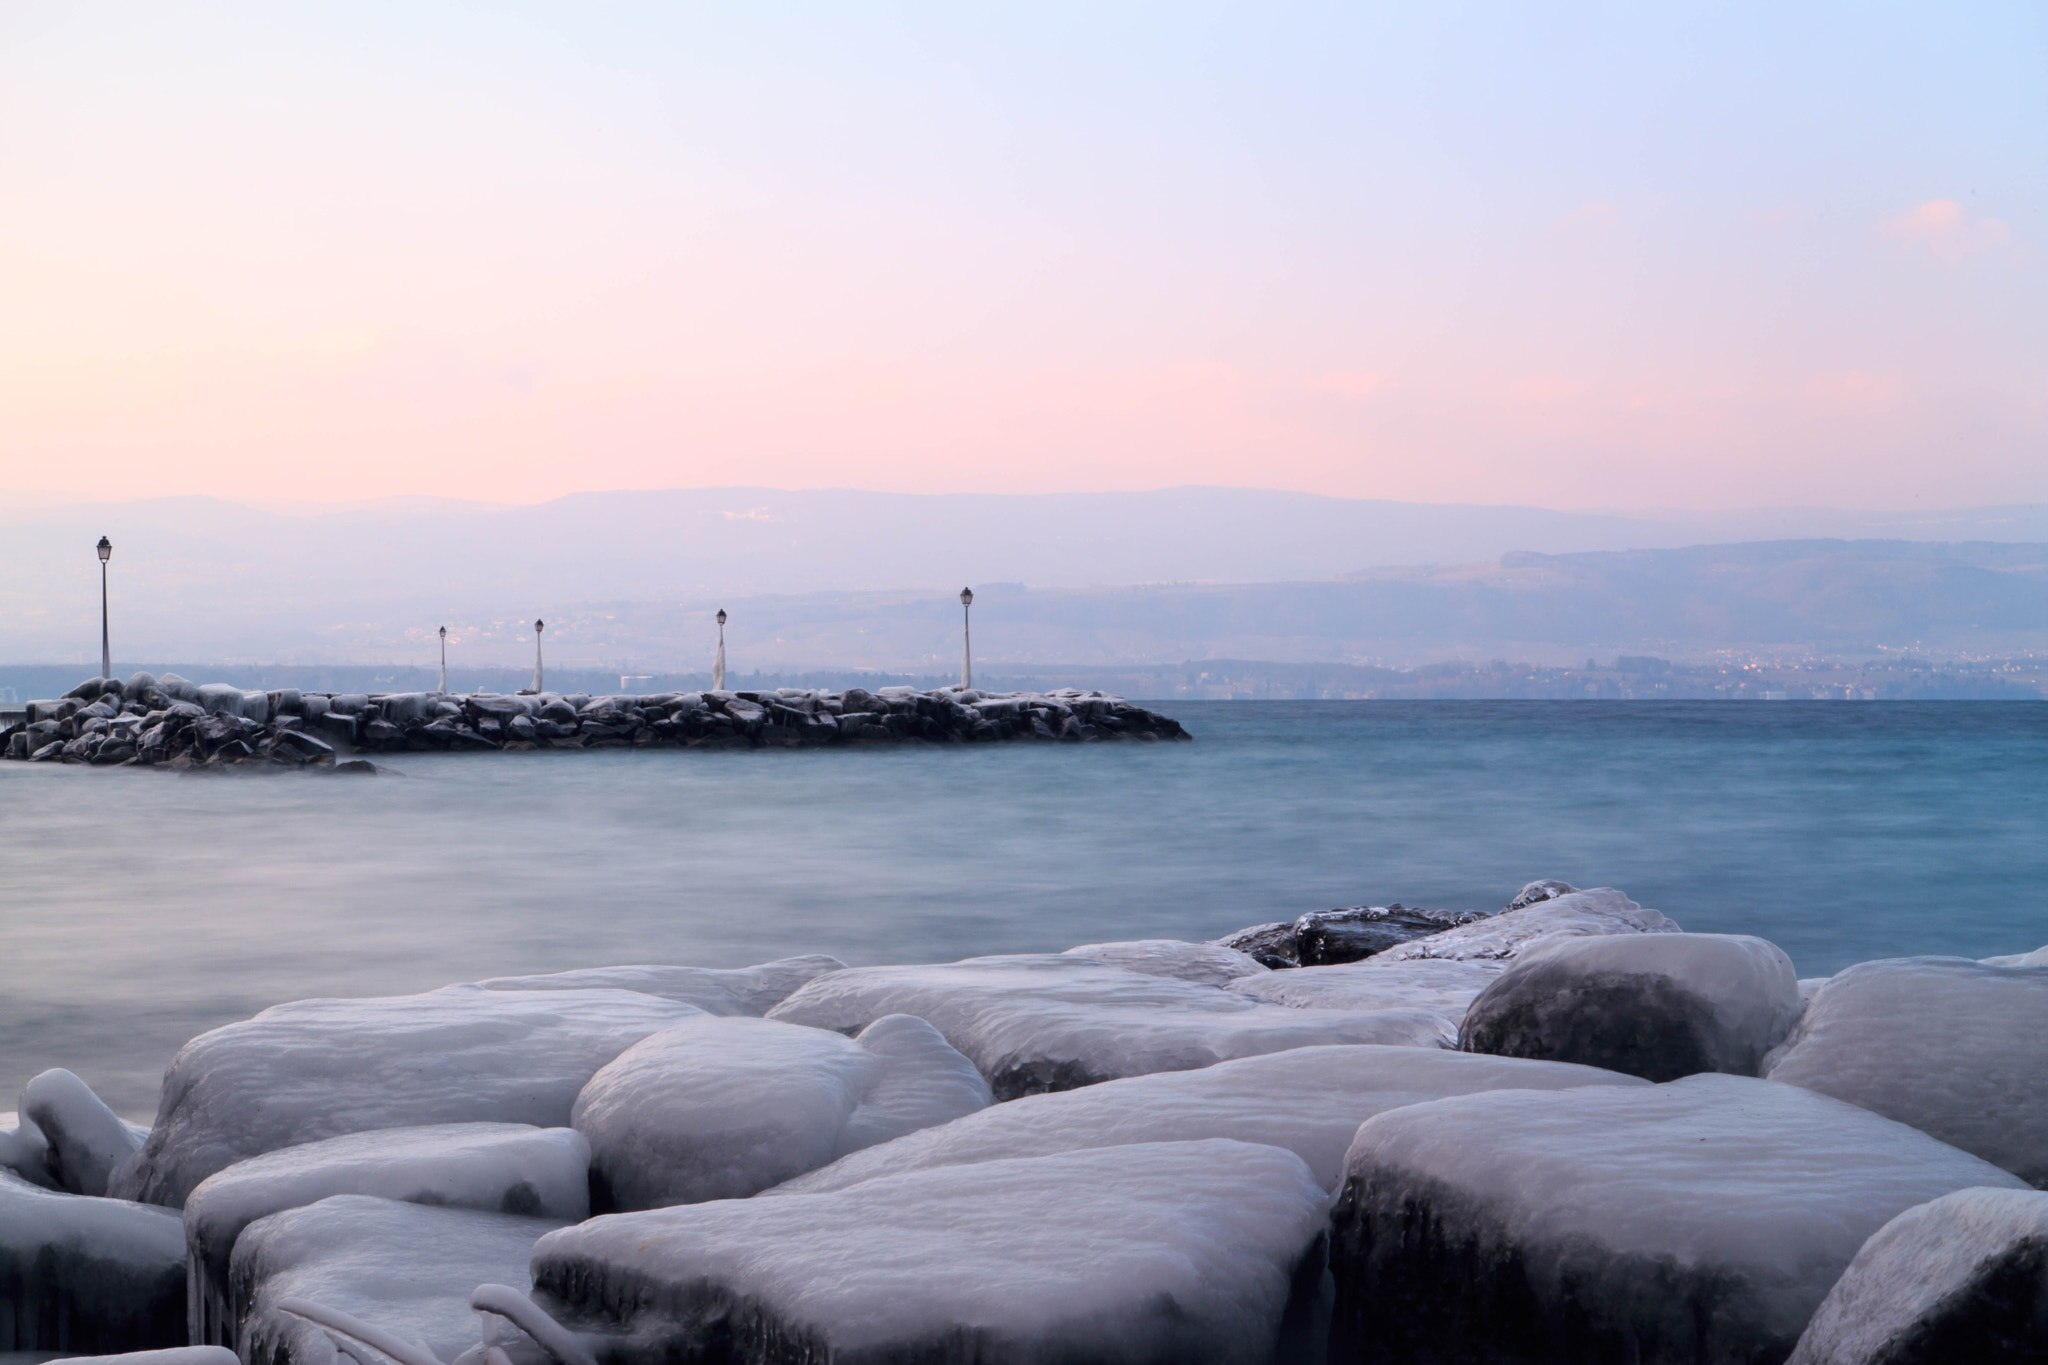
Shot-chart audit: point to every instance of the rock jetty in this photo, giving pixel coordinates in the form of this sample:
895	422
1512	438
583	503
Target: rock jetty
170	721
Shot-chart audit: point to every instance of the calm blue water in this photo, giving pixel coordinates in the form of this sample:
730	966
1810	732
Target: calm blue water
140	907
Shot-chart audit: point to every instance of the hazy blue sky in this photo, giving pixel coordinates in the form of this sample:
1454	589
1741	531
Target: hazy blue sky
1588	255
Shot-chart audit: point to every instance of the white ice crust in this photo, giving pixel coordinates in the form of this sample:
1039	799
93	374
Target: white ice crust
320	1068
1443	985
1309	1100
1954	1047
169	1355
715	990
1602	910
1207	963
721	1108
1154	1252
80	1269
86	1140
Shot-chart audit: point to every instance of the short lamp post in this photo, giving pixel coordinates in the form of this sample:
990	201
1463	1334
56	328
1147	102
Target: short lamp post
966	638
106	548
718	659
444	658
538	627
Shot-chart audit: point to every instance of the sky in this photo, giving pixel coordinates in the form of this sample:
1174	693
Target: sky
1575	255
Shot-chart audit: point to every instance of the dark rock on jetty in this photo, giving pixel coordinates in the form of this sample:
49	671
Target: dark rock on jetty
167	720
1324	938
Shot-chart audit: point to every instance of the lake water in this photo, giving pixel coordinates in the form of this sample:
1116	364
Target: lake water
139	907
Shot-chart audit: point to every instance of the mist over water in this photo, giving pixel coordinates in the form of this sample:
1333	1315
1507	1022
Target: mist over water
141	907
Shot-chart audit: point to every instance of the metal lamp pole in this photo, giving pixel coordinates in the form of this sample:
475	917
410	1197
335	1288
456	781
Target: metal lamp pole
538	627
718	660
106	548
444	658
966	638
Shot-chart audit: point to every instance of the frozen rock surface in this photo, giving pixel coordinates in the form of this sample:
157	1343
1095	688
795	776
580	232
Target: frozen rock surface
721	1108
320	1068
2037	958
1036	1023
1536	892
496	1167
1156	1254
1440	985
1658	1006
406	1269
1207	963
1954	1047
168	1355
733	990
1960	1278
1327	937
85	1139
1309	1100
24	1152
1702	1220
1602	910
79	1273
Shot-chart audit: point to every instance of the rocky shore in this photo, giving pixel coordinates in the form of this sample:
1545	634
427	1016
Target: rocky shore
149	720
1564	1131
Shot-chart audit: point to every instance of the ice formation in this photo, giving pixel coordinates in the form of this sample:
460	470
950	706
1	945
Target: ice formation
1658	1006
1309	1100
733	990
168	1355
1034	1023
721	1108
24	1152
320	1068
497	1167
1208	963
1441	985
1156	1253
1954	1047
79	1273
2037	958
1704	1219
85	1139
1602	910
1963	1278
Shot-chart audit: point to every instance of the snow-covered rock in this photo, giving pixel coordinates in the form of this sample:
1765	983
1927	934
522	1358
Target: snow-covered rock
1602	910
1960	1278
1309	1100
496	1167
1155	1253
1954	1047
1034	1023
78	1273
320	1068
721	1108
1207	963
1701	1220
715	990
85	1139
1444	986
407	1269
1658	1006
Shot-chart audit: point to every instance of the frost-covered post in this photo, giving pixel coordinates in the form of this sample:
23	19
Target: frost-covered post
444	658
538	627
966	638
718	659
106	548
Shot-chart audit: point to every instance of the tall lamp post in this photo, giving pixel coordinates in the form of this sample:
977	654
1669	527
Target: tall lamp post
718	659
538	627
444	658
106	548
966	638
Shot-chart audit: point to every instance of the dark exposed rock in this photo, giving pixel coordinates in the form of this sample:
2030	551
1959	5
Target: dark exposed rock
1324	938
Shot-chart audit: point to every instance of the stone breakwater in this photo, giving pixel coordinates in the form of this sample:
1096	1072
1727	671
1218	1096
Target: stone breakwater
168	720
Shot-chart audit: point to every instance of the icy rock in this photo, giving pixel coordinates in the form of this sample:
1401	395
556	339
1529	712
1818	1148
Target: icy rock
1701	1220
407	1269
1271	945
1207	963
24	1151
1659	1006
1602	910
84	1274
1154	1253
320	1068
734	990
1953	1047
1535	893
1960	1278
1327	937
1035	1023
494	1167
85	1139
168	1355
721	1108
1309	1100
2037	958
1443	986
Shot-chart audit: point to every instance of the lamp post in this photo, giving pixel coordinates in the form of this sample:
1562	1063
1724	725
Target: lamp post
538	627
966	638
718	659
106	548
444	658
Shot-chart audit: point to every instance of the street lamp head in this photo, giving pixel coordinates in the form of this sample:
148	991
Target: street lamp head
539	626
721	616
106	549
966	597
444	632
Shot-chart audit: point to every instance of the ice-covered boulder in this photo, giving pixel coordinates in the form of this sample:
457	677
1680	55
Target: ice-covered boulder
2037	958
1324	938
320	1068
1309	1100
1700	1220
721	1108
407	1269
1207	963
1034	1023
24	1152
1960	1278
1444	986
1536	892
168	1355
1956	1048
85	1139
1658	1006
1602	910
1154	1253
715	990
78	1273
496	1167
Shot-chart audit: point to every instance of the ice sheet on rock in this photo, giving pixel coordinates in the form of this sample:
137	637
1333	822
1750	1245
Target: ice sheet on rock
715	990
1153	1253
2037	958
1309	1100
1704	1219
1602	910
85	1139
24	1152
169	1355
407	1269
1207	963
496	1167
1658	1006
1035	1023
320	1068
1954	1047
1442	985
1535	892
721	1108
79	1273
